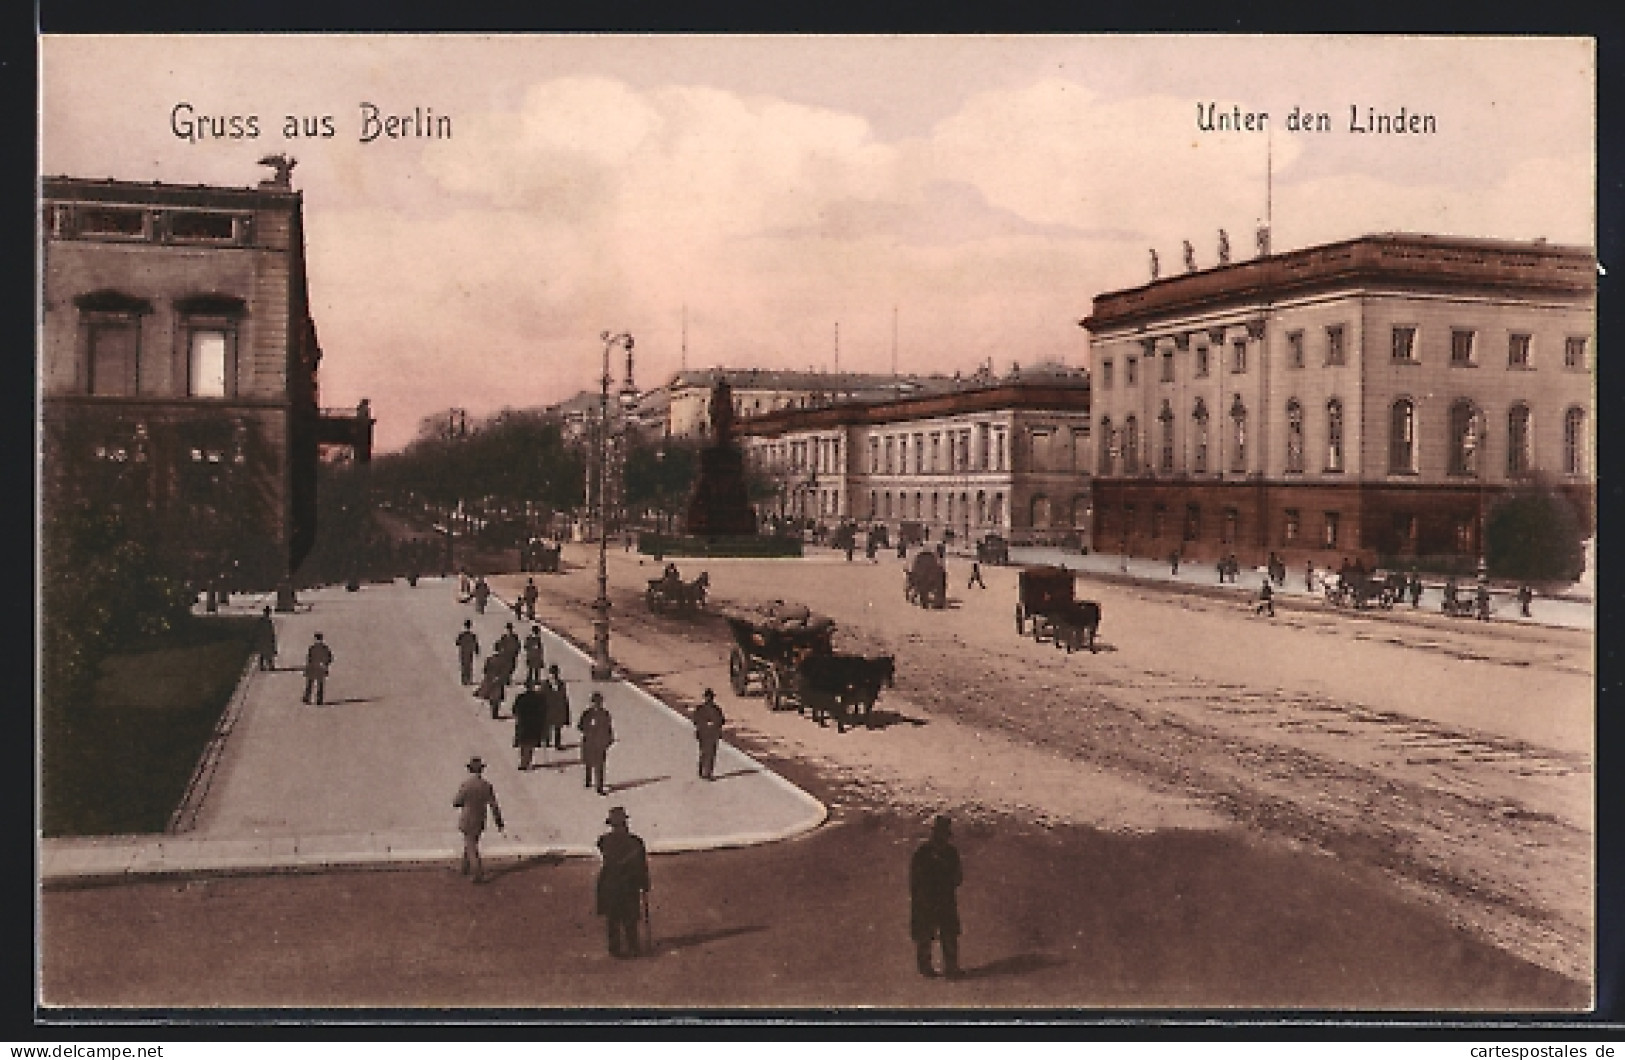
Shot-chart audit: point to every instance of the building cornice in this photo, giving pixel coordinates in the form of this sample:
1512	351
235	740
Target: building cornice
1047	397
1401	262
134	193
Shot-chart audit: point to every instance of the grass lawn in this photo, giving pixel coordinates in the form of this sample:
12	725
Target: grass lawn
119	763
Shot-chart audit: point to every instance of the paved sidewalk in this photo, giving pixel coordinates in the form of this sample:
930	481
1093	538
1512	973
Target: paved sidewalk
369	776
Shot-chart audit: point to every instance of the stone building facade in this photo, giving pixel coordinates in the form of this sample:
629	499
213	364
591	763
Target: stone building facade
1010	457
1370	398
178	368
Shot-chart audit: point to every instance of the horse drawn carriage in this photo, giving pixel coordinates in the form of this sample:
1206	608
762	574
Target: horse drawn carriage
926	581
993	549
540	556
791	657
1360	590
1045	601
670	593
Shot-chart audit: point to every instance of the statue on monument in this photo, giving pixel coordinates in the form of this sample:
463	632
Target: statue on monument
722	413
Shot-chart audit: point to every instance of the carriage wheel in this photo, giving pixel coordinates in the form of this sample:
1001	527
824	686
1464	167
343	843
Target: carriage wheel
738	676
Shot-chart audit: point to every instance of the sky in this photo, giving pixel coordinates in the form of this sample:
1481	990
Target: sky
943	201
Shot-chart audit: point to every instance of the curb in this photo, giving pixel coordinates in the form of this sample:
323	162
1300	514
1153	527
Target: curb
184	819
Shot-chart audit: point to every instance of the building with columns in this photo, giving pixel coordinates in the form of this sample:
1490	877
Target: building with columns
1370	398
999	456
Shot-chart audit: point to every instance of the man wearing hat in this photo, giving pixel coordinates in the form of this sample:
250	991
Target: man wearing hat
933	876
597	733
708	722
534	656
472	798
468	648
556	715
529	708
318	659
622	880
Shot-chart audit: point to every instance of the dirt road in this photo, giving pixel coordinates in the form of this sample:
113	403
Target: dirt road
1450	757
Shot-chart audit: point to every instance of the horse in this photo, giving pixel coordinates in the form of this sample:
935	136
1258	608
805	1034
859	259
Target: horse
833	684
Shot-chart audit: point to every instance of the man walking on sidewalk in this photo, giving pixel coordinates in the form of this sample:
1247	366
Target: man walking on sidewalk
1266	599
529	709
623	879
468	648
557	715
533	656
597	733
472	798
318	660
708	723
265	639
531	595
975	575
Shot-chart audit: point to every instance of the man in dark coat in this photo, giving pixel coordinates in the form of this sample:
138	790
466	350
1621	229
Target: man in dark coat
318	660
494	685
529	710
557	713
468	648
622	881
708	723
1415	587
265	639
534	656
597	733
481	593
531	595
933	876
507	646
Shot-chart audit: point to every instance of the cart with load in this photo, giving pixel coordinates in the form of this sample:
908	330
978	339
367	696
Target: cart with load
926	581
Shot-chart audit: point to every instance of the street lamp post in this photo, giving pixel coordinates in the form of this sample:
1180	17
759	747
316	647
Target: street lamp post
602	667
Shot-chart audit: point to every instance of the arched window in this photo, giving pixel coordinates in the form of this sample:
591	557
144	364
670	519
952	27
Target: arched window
1107	441
1294	435
1466	438
1238	435
1334	435
1199	437
1402	436
1519	458
1574	441
1131	446
1165	451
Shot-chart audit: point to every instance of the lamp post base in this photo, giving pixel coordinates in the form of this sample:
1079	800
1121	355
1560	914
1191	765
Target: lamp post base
603	669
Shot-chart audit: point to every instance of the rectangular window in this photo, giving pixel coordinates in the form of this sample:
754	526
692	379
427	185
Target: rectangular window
1238	356
1227	530
1294	348
1517	351
123	222
1289	526
1168	366
1193	522
196	226
1574	352
1105	375
1329	537
1334	344
1131	371
112	359
998	450
208	364
874	456
1462	349
1405	343
1158	513
1201	361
